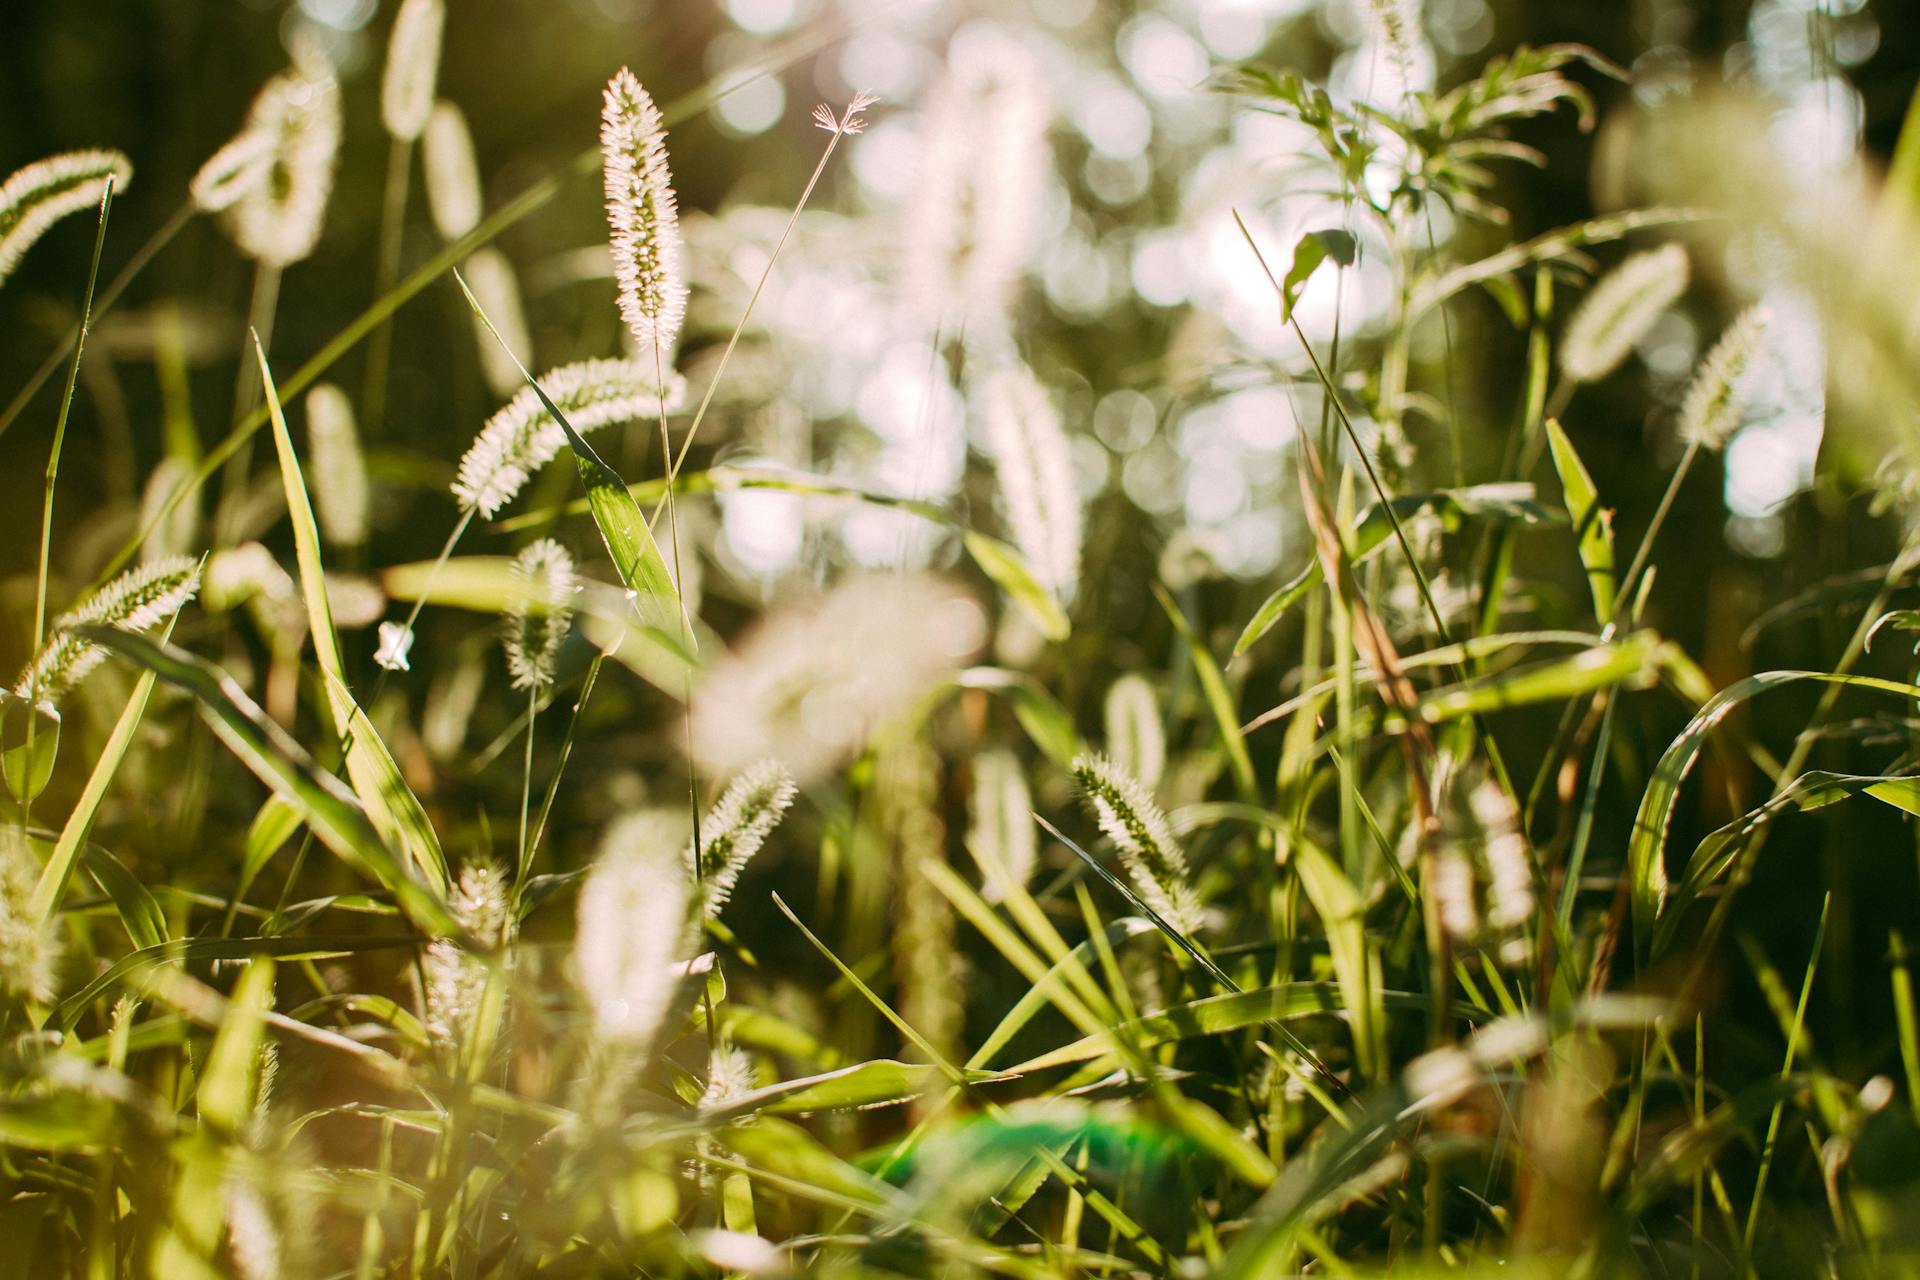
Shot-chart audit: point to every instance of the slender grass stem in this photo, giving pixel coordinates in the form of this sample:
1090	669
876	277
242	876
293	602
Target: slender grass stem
393	223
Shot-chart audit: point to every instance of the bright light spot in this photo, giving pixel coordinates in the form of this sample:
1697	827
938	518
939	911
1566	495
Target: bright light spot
341	15
761	16
881	62
764	530
1160	269
752	108
1162	58
885	161
1111	117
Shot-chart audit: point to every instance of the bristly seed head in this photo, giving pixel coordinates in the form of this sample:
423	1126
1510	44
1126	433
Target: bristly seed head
339	469
537	623
278	220
1000	831
36	197
232	171
1138	828
134	601
643	215
1620	309
1033	462
848	123
632	920
453	174
521	437
734	831
1711	410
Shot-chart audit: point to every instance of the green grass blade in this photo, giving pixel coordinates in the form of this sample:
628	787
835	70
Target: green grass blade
1009	571
1593	526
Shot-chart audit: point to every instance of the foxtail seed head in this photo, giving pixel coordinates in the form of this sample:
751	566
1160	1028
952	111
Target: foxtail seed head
642	214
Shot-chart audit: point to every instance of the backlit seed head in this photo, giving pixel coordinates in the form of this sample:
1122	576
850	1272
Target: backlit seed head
642	214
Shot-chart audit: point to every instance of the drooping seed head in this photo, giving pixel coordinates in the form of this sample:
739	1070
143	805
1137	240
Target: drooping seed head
413	67
1620	309
232	171
1138	828
134	601
36	197
1711	411
521	437
643	214
538	622
278	221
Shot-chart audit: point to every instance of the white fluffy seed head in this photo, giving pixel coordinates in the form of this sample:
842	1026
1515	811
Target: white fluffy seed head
642	214
1033	462
457	978
134	601
729	1076
1620	309
1711	410
815	679
1138	828
278	220
232	171
1136	739
970	222
521	437
36	197
339	471
1000	830
632	918
537	624
497	290
734	831
453	174
413	67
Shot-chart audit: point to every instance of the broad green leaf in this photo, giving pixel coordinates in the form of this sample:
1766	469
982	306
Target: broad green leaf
1592	525
52	884
232	1068
29	742
1010	573
1342	913
488	584
1314	248
58	1122
272	826
284	765
396	812
145	922
864	1084
1284	598
1646	851
1634	660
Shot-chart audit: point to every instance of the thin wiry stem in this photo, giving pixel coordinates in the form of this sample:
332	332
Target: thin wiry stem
679	586
526	775
393	219
59	440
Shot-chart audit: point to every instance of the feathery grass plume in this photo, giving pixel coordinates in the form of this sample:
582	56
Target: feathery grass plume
413	66
1619	309
1450	882
927	962
1139	830
733	832
970	223
339	470
1000	831
1136	739
173	533
36	197
497	289
813	680
1711	410
453	174
457	978
643	214
538	622
252	1234
521	436
134	601
1033	462
277	221
631	920
730	1075
1510	900
29	946
232	171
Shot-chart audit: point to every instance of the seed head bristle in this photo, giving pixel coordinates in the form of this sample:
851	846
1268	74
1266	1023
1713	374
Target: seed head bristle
134	601
1033	462
413	67
278	220
1136	739
521	437
34	198
1138	828
1711	410
642	214
538	622
339	470
456	977
733	832
1620	309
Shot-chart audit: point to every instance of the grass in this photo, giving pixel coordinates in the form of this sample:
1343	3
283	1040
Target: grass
1442	900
